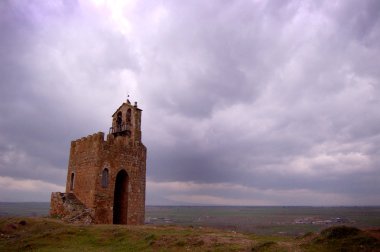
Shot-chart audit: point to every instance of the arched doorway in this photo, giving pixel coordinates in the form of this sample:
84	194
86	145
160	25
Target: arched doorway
120	200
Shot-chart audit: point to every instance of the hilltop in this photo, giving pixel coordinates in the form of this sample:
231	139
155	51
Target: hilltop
46	234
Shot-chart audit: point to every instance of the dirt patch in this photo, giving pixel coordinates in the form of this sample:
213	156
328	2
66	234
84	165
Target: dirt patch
202	241
374	232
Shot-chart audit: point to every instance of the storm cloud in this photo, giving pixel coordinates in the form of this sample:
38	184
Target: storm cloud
245	102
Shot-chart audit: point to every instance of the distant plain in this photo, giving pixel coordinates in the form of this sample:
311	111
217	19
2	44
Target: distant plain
287	220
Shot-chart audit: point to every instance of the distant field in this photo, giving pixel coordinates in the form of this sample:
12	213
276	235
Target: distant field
265	220
30	209
261	220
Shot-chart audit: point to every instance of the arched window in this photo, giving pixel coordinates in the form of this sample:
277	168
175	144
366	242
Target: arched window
119	119
129	115
72	182
105	178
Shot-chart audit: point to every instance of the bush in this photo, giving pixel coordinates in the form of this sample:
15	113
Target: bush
343	238
340	232
264	246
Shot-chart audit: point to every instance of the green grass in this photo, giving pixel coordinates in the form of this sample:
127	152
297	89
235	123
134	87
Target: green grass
47	234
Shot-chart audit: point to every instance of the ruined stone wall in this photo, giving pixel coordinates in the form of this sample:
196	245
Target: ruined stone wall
84	162
68	208
56	205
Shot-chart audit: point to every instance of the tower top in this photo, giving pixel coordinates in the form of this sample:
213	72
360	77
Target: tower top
126	104
126	121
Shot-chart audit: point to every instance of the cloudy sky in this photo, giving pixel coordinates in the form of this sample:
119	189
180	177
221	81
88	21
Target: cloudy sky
245	102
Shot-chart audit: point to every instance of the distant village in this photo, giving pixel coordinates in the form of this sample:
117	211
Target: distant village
316	221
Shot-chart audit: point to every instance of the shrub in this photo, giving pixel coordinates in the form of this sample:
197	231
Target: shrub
264	246
340	232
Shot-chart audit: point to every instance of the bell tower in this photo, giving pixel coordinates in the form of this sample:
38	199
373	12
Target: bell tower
126	121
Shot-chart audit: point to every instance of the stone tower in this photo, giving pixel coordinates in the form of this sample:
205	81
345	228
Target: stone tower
106	179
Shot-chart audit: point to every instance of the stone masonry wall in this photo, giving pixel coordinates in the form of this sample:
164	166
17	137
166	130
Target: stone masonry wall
83	163
89	156
119	154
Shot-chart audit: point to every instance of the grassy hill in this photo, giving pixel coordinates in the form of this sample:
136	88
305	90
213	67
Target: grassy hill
46	234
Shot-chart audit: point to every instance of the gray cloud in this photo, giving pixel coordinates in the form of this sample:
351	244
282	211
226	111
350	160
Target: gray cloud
265	102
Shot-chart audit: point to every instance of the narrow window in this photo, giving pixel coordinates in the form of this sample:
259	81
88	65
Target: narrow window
72	181
105	178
